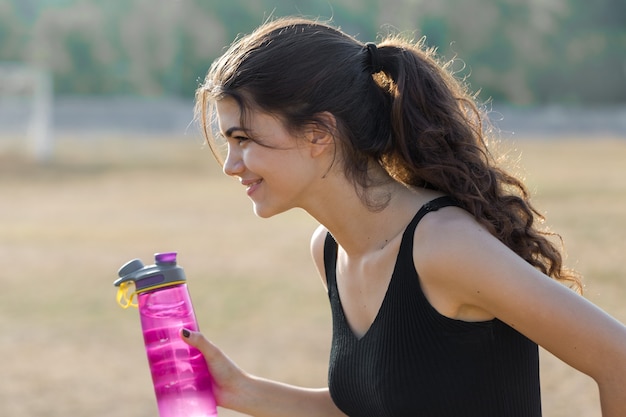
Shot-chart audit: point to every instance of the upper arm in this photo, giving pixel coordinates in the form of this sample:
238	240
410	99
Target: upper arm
317	251
474	268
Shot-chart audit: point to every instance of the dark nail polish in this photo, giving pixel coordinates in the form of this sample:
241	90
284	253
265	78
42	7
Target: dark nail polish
186	333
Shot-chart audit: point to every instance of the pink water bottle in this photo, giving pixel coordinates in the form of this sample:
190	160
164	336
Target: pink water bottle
182	383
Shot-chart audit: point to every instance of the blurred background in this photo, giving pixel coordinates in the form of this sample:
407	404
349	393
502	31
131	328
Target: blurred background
100	163
133	65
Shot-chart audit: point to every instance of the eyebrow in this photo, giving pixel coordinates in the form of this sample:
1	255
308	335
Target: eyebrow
229	132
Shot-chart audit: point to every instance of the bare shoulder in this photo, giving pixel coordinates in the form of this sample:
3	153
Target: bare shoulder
317	250
468	267
448	234
450	248
440	224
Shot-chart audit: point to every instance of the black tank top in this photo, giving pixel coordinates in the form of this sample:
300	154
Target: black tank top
414	362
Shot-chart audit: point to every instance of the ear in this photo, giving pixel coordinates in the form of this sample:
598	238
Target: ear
321	133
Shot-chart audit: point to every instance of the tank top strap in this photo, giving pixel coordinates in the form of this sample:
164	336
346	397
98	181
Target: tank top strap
432	205
330	259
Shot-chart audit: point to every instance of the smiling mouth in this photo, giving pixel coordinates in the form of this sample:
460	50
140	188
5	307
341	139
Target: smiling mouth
252	184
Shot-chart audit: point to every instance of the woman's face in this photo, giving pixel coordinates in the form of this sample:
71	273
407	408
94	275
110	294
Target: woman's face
276	168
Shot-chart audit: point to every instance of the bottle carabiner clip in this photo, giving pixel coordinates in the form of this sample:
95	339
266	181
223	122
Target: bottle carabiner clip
126	295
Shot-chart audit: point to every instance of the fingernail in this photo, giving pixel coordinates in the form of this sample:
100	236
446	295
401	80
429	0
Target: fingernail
186	333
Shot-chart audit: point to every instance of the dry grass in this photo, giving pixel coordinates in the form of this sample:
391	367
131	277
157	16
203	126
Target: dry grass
65	228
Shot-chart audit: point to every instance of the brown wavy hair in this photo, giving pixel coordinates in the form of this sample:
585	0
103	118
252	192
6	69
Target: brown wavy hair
412	116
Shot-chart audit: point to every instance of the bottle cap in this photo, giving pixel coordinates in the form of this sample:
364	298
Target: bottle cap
164	273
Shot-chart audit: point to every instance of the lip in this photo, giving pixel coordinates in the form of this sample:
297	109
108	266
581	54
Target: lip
251	185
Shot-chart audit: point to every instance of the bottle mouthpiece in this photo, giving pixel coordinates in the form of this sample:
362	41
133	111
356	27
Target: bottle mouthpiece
165	258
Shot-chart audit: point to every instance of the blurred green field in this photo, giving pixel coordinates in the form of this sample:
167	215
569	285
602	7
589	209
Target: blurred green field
66	348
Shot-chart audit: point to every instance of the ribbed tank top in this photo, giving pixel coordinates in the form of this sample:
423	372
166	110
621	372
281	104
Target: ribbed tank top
413	361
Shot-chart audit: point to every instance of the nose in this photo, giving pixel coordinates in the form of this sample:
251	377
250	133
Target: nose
233	165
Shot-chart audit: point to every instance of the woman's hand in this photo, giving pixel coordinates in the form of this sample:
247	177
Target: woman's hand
237	390
228	378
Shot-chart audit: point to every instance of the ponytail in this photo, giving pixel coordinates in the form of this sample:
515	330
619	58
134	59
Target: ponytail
439	143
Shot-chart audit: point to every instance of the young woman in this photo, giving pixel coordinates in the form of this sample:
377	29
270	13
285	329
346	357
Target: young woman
440	283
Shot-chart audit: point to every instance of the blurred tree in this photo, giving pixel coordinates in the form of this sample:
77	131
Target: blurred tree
12	33
588	53
520	51
72	43
149	40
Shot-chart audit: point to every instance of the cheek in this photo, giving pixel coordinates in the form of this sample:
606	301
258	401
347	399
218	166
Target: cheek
271	161
296	175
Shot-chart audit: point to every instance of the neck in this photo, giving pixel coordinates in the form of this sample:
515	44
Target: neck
358	229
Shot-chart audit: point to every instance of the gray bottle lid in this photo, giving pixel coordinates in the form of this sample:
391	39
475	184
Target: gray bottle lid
164	273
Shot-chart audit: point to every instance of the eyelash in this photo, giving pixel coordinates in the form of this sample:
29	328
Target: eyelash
240	139
235	140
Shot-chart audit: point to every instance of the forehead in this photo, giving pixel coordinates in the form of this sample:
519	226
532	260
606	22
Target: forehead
231	117
228	113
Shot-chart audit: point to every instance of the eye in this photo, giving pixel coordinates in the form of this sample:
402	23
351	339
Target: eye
240	139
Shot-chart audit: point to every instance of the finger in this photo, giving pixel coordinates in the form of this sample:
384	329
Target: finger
197	340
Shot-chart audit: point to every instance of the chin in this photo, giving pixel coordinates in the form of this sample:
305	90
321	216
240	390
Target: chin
266	212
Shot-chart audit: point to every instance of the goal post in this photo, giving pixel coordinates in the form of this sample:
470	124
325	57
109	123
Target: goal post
26	100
